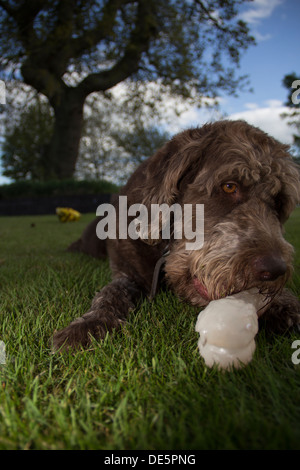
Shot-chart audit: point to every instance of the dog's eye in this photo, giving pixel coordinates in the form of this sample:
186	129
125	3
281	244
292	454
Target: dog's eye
229	188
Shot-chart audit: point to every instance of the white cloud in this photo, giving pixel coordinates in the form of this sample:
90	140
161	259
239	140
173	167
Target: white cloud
256	13
189	118
176	113
273	103
251	105
262	37
259	10
268	119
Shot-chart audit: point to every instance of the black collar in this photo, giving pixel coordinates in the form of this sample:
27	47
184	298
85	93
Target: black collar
156	272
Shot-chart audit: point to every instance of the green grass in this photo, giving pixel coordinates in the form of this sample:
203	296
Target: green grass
143	388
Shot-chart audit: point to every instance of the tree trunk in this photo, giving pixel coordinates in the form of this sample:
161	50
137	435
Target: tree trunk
62	153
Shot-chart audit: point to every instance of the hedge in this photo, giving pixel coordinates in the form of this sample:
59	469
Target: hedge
56	188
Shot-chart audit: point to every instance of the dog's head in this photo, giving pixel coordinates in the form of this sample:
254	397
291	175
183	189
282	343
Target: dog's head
249	185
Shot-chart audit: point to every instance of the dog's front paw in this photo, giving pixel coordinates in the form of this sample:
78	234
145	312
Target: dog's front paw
79	333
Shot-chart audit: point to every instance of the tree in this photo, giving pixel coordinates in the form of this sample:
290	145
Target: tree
25	143
117	135
179	44
292	83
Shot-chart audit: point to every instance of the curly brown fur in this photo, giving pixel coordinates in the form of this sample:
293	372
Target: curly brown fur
243	245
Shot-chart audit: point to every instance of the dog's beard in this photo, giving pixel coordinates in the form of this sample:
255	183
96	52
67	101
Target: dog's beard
211	274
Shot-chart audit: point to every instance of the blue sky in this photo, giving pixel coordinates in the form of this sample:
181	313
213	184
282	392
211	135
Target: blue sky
275	25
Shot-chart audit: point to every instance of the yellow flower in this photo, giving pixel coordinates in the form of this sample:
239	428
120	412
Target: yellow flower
66	214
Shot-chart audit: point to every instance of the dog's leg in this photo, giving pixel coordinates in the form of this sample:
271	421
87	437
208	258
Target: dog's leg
109	309
283	314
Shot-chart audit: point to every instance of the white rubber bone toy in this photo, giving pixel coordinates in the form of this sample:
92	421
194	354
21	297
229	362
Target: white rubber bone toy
227	329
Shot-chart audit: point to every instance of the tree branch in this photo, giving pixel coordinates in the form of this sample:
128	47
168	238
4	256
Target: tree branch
145	29
24	16
43	81
9	10
210	16
103	28
59	46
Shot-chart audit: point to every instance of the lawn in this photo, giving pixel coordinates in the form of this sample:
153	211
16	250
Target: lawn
143	388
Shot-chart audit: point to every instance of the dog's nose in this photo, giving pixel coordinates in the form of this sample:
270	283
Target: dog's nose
269	268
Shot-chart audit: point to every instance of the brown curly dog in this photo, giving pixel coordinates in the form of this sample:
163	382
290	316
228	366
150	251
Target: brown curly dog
248	184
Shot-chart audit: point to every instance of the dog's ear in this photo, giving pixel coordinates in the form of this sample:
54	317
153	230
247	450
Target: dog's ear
172	166
167	172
